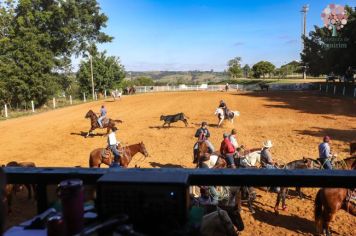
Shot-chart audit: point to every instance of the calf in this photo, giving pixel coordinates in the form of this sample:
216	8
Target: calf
174	118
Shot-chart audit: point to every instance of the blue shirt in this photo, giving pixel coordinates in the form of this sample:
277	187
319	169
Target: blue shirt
103	111
324	150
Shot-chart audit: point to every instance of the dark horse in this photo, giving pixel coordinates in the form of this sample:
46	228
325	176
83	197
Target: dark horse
329	200
304	163
129	90
107	123
102	155
11	189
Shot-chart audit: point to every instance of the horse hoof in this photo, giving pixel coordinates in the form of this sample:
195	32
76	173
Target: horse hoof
284	208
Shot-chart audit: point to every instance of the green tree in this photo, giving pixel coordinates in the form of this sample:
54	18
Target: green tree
37	39
234	69
246	69
107	71
262	68
143	81
322	53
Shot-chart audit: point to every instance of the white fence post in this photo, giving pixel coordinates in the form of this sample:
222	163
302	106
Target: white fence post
33	106
343	91
334	89
54	103
84	97
70	99
96	96
105	93
6	111
145	89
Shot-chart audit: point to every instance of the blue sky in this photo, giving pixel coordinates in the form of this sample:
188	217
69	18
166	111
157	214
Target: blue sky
204	35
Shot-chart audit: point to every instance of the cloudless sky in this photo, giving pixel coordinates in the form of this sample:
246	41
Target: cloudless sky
204	35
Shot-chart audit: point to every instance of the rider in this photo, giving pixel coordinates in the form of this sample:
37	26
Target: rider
113	143
266	157
228	150
102	115
223	106
325	154
203	134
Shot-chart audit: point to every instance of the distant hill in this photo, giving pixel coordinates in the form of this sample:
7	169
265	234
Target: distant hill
182	76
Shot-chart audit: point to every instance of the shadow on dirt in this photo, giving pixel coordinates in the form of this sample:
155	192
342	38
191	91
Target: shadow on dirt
290	222
335	134
84	134
168	165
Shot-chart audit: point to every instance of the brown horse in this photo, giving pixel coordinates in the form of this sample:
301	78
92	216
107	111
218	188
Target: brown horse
107	123
204	155
12	189
327	202
102	155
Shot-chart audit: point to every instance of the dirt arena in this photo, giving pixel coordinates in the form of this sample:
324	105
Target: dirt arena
294	121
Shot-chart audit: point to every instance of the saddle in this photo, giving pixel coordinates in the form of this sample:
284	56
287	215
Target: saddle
105	121
106	153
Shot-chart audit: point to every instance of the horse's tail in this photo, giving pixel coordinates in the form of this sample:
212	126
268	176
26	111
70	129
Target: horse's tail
318	210
118	121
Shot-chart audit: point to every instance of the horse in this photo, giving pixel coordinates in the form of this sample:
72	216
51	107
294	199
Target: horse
264	86
204	159
221	116
248	158
281	196
116	94
3	200
327	202
11	189
107	123
103	155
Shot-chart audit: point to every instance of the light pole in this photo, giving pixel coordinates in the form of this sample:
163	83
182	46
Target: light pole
304	11
92	76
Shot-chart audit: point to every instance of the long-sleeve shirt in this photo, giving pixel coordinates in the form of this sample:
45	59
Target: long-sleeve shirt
112	139
202	131
226	147
324	150
103	112
233	141
266	157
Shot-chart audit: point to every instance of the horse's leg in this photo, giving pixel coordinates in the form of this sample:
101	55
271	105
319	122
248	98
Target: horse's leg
279	195
284	206
220	121
185	122
29	190
238	199
249	200
89	132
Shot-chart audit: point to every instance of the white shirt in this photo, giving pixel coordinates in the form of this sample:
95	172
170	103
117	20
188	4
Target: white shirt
112	139
233	141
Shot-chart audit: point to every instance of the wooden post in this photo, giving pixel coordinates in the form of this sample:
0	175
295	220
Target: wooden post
6	115
84	97
343	91
33	106
334	89
54	103
96	96
70	99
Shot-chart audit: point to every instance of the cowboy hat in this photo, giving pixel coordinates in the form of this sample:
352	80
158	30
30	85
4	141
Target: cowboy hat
267	144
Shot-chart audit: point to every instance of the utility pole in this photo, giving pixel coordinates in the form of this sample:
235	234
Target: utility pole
304	11
92	76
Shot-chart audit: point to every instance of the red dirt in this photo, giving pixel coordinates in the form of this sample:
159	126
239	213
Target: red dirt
294	121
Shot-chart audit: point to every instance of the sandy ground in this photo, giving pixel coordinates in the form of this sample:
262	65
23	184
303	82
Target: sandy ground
294	121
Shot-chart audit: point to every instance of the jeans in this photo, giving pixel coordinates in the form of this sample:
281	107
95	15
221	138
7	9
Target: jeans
115	152
230	159
210	146
101	118
269	166
326	164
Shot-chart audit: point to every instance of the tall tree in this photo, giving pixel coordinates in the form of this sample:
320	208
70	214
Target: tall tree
107	72
235	70
40	36
246	69
262	68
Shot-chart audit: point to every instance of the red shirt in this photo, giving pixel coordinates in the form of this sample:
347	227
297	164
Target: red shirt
226	147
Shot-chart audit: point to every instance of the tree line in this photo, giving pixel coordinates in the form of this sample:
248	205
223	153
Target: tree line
262	69
38	39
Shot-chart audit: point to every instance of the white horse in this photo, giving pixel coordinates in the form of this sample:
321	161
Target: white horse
251	159
221	116
116	94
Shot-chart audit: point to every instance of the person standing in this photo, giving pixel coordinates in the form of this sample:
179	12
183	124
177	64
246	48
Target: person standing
233	139
103	113
227	150
325	153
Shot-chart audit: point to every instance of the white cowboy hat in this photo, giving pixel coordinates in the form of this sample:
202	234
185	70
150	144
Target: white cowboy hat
267	144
